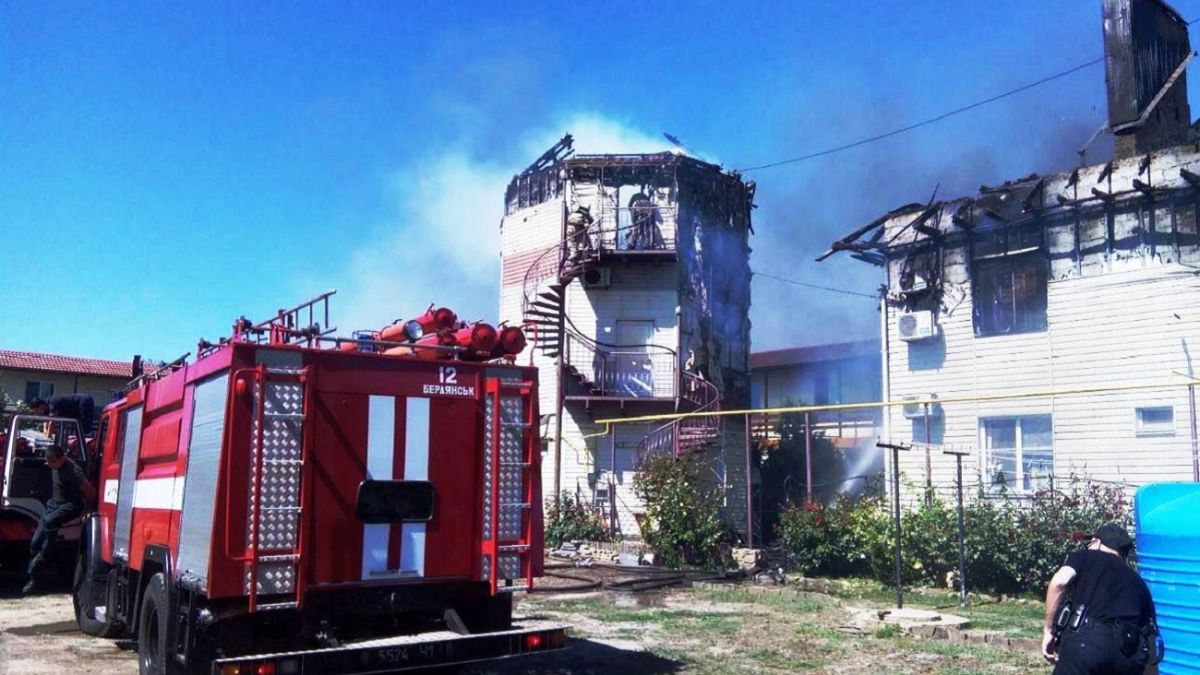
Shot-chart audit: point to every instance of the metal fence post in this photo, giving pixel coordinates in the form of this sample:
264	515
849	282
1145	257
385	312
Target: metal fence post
962	548
896	448
808	483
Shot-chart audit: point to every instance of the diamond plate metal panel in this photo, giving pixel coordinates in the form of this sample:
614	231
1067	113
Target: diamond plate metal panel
510	566
489	424
273	577
279	506
512	479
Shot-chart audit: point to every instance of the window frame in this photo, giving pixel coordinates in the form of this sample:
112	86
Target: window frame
45	390
1140	428
1011	250
1015	486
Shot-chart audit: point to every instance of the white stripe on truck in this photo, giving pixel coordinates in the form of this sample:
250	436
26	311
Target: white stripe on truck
416	467
381	452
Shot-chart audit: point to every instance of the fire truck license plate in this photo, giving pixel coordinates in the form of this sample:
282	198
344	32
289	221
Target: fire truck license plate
395	656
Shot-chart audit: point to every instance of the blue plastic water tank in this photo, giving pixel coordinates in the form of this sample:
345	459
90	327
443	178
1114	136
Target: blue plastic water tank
1168	553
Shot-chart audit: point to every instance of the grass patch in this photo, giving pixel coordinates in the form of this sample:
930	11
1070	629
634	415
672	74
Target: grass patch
888	631
785	599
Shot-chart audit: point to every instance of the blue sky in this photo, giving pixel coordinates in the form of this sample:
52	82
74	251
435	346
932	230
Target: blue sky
163	171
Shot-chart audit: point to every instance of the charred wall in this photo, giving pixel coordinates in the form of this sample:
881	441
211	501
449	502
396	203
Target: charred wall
713	240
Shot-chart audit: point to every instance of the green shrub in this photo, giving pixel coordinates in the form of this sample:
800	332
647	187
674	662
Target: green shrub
836	540
683	520
569	520
1012	545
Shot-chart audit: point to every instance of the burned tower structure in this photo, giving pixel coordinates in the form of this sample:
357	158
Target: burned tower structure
631	272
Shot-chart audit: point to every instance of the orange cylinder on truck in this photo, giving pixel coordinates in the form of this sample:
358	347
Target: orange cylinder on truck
512	340
436	319
402	331
480	338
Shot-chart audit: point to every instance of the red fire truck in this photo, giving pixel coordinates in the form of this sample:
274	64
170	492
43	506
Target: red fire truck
293	502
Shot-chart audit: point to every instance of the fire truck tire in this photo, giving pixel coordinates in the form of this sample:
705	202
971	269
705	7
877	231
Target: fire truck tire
153	629
83	595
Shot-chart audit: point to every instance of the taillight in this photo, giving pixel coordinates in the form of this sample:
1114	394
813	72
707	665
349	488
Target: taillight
265	668
533	641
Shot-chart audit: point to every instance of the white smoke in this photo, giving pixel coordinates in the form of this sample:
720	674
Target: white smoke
443	246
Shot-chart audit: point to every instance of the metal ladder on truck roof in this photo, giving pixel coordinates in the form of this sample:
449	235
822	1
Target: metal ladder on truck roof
509	494
277	525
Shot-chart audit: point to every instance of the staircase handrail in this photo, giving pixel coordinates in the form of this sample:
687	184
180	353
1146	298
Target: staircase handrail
701	417
598	358
546	265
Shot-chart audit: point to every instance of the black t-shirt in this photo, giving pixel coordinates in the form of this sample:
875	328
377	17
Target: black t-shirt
1108	587
67	480
70	405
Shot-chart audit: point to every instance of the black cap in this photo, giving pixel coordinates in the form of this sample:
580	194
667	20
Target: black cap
1115	537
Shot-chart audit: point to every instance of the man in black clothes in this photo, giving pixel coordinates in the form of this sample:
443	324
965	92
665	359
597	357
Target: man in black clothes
1111	610
71	489
81	407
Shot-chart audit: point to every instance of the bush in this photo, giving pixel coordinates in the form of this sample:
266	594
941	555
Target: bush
836	540
683	521
569	520
1012	545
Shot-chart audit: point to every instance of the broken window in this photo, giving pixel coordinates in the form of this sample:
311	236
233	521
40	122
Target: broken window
1009	282
1019	453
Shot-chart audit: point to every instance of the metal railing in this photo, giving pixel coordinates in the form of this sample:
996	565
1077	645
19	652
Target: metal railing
686	433
642	371
636	228
630	229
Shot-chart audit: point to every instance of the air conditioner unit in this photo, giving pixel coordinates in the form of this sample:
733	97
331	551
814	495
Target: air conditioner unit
916	410
917	326
596	277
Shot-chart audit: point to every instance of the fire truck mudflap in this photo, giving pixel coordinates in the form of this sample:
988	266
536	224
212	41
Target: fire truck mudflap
402	653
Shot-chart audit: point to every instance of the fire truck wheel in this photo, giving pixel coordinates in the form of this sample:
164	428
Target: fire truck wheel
152	629
84	592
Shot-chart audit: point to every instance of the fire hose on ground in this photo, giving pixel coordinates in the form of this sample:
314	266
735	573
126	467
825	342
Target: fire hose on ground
642	578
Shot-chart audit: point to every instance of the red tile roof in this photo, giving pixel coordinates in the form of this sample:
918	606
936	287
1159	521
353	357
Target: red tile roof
74	365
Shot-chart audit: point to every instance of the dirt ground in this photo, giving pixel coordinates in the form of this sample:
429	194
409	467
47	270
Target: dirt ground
677	630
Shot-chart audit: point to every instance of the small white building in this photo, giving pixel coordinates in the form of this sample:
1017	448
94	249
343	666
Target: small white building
631	273
1084	283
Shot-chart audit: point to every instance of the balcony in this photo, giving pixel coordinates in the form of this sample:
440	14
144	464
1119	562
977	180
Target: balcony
627	233
642	372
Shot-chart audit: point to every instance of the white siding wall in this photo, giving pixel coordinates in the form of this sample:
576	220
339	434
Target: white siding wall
1130	327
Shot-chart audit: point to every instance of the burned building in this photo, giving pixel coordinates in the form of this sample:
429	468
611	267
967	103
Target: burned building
632	273
1049	323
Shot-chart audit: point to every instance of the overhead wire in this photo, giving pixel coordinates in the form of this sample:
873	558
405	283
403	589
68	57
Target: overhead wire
934	119
926	122
805	284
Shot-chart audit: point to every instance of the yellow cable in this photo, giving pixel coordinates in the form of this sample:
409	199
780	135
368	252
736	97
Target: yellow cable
885	404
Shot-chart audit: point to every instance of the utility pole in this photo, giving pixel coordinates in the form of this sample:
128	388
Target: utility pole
962	548
896	448
808	486
928	460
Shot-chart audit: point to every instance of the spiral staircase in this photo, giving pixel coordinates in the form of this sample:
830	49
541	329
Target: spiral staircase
585	360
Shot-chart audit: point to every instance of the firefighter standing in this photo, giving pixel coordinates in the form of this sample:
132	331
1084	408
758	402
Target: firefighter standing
81	407
1112	614
70	490
578	224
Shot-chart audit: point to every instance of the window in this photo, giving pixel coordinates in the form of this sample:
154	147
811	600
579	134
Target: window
1008	280
42	390
822	393
1018	452
1155	421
